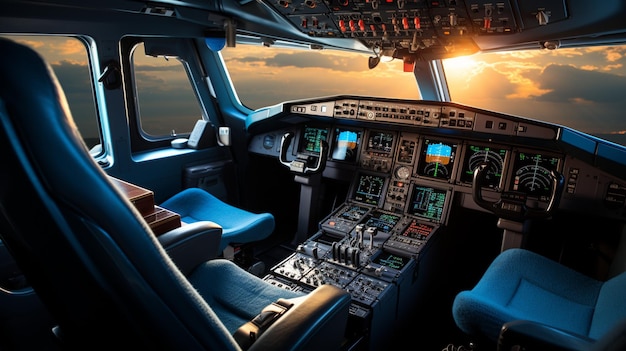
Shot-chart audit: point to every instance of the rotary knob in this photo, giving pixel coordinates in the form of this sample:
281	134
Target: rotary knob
403	172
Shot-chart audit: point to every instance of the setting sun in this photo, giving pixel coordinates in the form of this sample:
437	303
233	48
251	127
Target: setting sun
458	63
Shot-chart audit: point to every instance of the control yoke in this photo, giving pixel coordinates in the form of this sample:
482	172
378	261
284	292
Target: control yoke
512	204
303	164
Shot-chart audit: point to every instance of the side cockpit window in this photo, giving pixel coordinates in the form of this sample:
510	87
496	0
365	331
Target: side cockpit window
69	58
167	105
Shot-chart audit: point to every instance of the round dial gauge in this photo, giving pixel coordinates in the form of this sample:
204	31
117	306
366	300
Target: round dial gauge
403	172
532	179
533	174
495	163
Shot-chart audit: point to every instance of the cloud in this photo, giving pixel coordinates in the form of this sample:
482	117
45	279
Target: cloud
67	47
307	59
35	44
567	83
76	83
151	68
585	94
263	79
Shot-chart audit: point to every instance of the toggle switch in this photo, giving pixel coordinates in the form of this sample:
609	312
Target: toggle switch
542	17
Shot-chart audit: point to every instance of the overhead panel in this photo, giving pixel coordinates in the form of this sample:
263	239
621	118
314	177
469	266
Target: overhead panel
535	13
408	29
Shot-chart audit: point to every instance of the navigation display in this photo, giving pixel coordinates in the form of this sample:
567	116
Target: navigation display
346	145
311	138
369	189
379	143
531	174
428	202
436	159
493	156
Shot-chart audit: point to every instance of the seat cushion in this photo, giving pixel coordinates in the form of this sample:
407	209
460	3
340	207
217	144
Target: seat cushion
239	226
235	295
520	284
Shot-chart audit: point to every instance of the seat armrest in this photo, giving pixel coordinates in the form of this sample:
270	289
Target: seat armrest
192	244
536	336
316	321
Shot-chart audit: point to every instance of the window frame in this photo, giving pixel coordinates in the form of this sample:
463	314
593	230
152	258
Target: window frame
139	139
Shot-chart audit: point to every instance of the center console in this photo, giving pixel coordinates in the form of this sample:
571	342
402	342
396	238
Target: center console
370	252
371	244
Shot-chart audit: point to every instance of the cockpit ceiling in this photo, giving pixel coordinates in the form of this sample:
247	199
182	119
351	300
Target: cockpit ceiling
412	30
432	29
409	29
424	29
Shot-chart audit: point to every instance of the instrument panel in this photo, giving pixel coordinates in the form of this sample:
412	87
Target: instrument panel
422	143
396	170
407	156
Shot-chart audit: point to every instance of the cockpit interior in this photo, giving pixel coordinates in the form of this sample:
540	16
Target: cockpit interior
313	174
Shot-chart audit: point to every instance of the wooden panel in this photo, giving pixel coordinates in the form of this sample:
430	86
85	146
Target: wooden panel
142	198
158	218
162	220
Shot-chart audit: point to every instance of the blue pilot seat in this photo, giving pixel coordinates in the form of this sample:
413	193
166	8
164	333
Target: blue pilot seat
92	259
523	286
238	226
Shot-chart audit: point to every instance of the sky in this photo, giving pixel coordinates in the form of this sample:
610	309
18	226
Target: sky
579	88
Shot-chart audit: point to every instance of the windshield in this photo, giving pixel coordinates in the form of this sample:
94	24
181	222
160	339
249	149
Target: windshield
265	76
578	88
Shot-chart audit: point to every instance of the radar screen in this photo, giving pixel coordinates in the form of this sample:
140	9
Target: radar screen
436	159
532	174
493	156
369	189
346	145
311	138
379	143
428	202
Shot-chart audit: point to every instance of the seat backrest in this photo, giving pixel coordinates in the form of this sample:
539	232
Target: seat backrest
85	250
610	307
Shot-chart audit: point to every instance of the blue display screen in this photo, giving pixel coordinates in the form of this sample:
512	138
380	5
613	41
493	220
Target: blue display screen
346	145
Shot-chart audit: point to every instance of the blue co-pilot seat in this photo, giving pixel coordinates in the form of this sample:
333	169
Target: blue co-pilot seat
520	285
238	226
